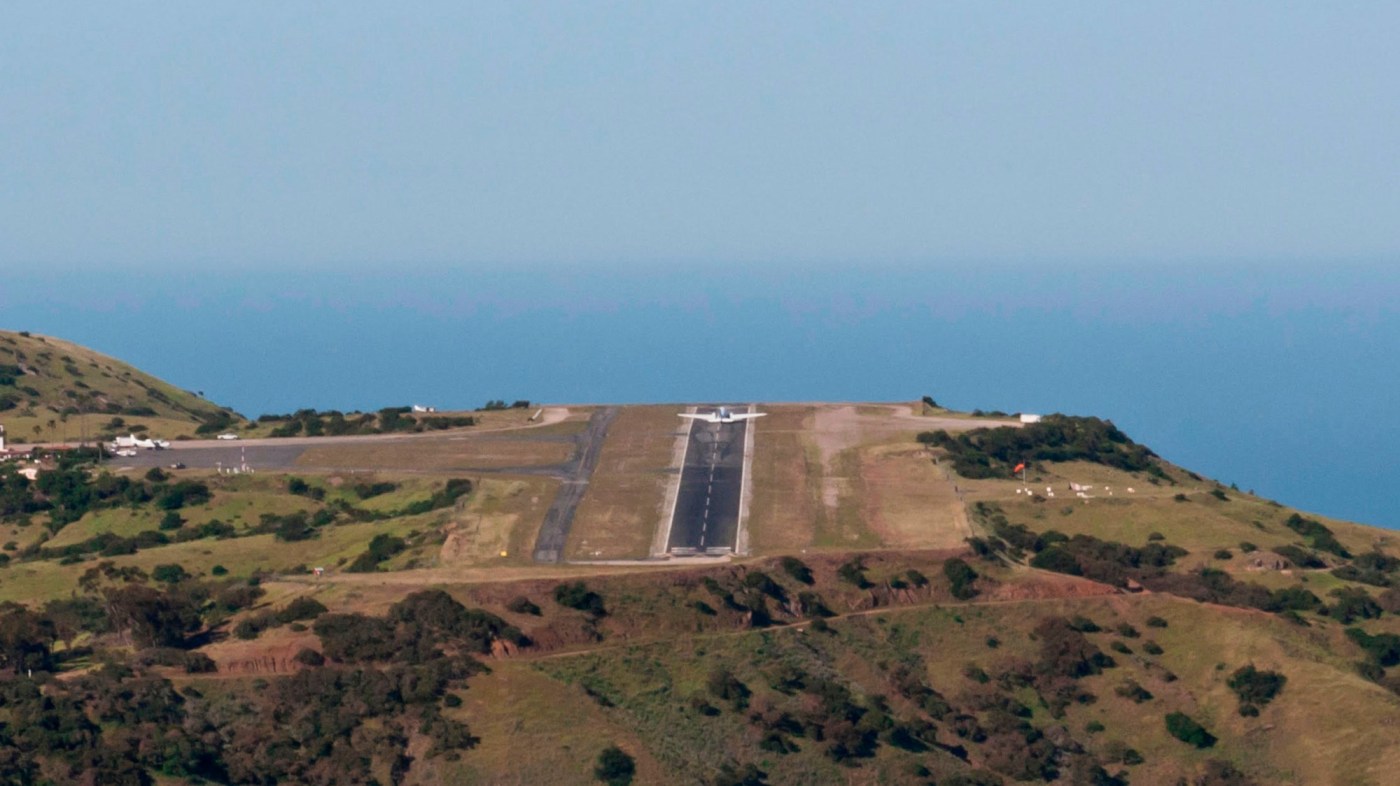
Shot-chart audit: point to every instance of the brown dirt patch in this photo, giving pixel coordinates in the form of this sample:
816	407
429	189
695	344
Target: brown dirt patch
272	653
1037	585
908	501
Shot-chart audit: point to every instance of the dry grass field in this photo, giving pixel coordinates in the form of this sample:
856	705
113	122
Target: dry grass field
335	546
786	507
841	476
502	517
535	730
909	501
619	514
1198	521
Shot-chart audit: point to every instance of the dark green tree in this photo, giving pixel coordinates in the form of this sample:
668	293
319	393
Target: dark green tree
615	767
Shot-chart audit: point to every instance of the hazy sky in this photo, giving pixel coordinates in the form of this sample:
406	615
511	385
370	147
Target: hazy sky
352	136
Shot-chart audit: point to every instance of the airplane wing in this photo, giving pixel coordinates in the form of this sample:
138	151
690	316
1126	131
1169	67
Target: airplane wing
709	417
746	415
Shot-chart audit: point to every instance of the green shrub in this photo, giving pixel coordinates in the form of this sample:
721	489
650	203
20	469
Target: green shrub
853	572
797	569
1255	688
1057	559
302	608
522	605
381	547
960	578
578	596
1083	624
1182	727
723	685
1382	648
169	574
994	452
1318	535
1353	603
1133	691
293	528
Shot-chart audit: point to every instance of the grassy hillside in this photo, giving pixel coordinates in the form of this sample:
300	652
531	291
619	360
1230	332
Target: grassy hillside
891	671
918	613
51	390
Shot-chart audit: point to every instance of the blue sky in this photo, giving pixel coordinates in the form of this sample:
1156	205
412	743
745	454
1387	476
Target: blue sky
353	136
1177	215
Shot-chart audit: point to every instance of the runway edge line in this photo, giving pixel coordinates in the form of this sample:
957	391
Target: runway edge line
679	452
741	534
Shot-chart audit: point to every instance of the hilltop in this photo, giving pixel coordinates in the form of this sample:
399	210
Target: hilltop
53	390
924	597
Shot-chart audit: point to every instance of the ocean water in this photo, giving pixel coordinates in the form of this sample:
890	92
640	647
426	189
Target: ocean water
1279	378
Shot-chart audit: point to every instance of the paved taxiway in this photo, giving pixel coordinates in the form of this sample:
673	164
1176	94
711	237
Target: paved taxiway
283	454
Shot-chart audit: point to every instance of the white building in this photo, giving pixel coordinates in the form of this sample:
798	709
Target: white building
1027	417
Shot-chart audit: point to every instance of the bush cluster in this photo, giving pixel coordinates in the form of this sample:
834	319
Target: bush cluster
994	452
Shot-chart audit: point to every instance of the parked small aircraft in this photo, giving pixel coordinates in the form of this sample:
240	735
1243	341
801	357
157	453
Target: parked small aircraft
134	441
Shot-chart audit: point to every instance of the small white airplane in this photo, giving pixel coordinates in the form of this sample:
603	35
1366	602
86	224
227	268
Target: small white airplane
133	441
723	415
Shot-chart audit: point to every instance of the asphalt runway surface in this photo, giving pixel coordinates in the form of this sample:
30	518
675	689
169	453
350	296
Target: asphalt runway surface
707	506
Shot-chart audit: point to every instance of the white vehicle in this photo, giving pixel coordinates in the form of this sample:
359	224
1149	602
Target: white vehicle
227	435
723	415
126	452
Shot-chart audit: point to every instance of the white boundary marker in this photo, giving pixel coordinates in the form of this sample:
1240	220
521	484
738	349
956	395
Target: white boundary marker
679	453
741	536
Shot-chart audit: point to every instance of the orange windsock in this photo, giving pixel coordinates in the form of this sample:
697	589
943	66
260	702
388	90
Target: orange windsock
1019	467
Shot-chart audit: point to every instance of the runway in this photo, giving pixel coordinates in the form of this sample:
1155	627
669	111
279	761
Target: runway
706	518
